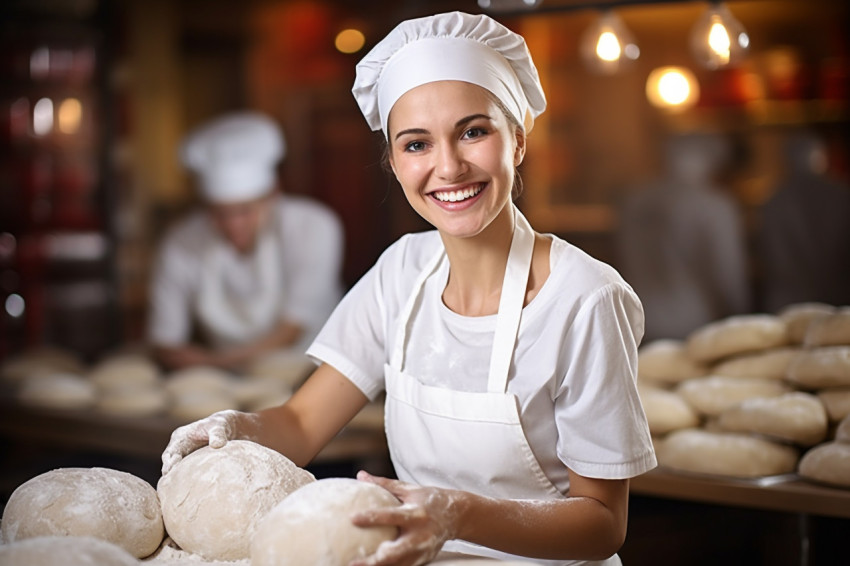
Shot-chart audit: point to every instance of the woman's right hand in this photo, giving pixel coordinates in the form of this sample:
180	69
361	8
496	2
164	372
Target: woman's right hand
214	430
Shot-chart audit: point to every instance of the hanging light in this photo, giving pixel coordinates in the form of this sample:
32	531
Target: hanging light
607	46
672	88
717	39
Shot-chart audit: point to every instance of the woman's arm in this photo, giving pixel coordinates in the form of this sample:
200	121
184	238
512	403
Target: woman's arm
588	525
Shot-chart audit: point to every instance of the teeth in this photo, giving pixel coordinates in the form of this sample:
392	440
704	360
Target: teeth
454	196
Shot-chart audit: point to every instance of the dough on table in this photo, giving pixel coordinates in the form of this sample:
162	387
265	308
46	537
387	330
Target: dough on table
251	392
57	391
794	417
100	502
836	401
714	394
65	551
830	330
313	525
124	370
798	316
666	361
200	391
725	454
666	411
291	367
821	368
38	361
214	498
769	364
736	335
189	407
133	401
827	463
842	432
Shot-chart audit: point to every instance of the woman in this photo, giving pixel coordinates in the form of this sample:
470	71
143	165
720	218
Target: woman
508	357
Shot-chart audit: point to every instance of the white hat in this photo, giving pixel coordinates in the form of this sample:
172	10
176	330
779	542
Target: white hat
235	156
451	46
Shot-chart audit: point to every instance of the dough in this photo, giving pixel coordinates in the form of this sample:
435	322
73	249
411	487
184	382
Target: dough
821	368
200	391
191	407
798	316
726	454
794	417
666	411
213	499
666	361
770	364
57	391
290	367
827	463
38	361
108	504
125	370
313	525
842	432
250	392
837	403
65	551
133	401
714	394
736	335
831	330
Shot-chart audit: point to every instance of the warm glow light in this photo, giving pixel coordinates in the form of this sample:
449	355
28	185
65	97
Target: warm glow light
42	117
672	88
608	47
350	41
718	41
70	116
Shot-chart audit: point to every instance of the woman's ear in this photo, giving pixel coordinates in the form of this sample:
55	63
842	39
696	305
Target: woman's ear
519	151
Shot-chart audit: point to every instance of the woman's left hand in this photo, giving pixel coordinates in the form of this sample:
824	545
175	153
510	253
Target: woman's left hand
426	519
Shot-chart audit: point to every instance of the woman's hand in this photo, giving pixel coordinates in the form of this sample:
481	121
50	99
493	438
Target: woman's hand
214	431
426	519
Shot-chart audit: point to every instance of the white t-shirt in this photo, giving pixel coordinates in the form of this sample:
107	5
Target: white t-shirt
574	366
308	247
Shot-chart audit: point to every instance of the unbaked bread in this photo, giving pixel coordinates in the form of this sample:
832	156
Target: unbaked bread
821	368
213	499
290	367
666	361
666	411
798	316
39	361
830	330
736	335
837	402
57	391
108	504
726	454
313	525
65	551
827	463
794	417
125	370
714	394
133	401
200	391
769	364
842	431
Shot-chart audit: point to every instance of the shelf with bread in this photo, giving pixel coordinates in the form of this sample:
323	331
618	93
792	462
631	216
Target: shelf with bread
753	410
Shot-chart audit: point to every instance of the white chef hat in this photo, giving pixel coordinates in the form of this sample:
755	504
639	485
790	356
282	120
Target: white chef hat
235	156
451	46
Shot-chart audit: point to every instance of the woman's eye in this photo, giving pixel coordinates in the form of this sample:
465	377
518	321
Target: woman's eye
474	133
414	146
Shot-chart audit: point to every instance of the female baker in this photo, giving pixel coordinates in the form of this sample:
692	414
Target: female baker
508	357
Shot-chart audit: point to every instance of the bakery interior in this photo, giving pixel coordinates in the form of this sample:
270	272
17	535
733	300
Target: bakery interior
97	94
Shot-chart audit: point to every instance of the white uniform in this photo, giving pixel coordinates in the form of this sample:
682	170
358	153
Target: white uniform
497	405
293	274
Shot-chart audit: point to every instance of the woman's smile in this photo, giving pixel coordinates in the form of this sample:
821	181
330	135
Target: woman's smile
458	197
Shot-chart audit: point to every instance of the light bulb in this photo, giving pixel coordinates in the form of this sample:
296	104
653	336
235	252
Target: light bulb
719	40
607	46
672	88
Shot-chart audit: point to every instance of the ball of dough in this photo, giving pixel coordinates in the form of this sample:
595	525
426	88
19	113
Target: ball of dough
714	394
725	454
38	361
842	431
837	403
57	391
290	367
65	551
770	364
794	417
666	411
821	368
798	316
830	330
133	401
313	525
198	379
213	499
108	504
667	361
125	370
827	463
736	335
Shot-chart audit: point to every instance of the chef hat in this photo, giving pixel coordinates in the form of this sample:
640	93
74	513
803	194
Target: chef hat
451	46
235	156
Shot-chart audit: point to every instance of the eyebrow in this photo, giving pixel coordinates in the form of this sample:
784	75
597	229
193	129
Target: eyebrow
458	124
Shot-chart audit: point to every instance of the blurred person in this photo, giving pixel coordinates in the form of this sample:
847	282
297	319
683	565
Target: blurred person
254	271
681	242
803	235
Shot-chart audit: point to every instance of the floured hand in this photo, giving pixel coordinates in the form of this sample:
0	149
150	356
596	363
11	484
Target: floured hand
214	430
426	520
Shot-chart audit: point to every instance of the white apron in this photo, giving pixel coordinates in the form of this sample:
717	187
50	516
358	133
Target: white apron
465	440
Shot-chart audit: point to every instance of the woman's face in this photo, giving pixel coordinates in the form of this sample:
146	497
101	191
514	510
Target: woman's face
454	152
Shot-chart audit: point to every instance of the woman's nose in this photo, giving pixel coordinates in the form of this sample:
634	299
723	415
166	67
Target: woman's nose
450	162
